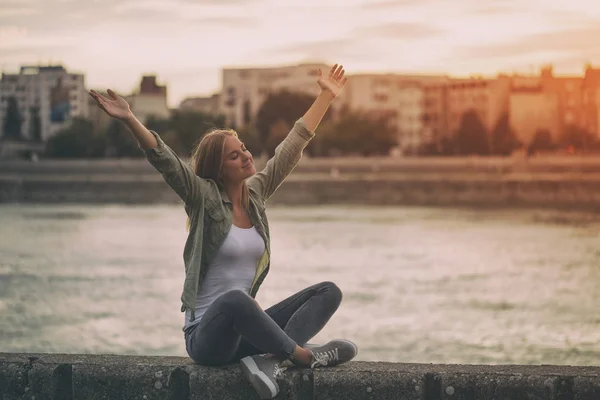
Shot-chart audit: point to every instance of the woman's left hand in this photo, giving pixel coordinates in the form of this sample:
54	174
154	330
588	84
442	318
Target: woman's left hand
334	82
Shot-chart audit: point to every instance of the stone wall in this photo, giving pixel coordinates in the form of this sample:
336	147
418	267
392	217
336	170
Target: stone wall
471	190
87	377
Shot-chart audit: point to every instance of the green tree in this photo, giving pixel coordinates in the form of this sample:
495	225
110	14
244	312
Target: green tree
75	141
278	114
542	141
190	126
472	137
504	140
120	142
35	124
356	133
12	120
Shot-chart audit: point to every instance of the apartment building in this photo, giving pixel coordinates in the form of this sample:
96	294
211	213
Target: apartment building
47	98
405	98
245	89
149	100
531	108
207	105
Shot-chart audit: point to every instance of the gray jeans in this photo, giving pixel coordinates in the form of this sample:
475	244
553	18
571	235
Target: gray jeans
234	326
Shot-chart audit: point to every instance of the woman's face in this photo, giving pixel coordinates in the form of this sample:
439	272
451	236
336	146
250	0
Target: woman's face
238	164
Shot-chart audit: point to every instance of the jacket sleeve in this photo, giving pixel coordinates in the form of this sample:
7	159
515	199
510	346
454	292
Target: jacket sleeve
287	155
178	174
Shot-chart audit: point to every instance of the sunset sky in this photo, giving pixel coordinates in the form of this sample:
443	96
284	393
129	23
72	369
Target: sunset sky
186	42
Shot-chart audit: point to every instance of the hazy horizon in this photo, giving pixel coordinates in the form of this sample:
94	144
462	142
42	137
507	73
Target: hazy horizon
186	42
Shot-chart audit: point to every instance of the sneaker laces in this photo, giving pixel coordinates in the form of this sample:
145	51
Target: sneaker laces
278	371
322	359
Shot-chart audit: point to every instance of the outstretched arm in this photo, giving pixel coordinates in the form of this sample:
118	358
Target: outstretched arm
118	108
178	174
289	152
330	89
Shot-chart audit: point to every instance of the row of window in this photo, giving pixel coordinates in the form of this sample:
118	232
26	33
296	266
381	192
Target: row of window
245	74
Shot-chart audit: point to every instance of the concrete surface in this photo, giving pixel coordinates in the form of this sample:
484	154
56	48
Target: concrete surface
86	377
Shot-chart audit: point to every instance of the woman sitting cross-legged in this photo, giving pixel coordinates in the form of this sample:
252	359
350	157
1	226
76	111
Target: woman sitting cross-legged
227	252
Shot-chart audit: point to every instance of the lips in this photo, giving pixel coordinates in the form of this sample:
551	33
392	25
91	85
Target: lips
247	165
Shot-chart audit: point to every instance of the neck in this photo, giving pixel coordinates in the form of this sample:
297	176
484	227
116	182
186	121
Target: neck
234	192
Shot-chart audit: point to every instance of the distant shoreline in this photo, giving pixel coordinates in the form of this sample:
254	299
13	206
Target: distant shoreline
551	182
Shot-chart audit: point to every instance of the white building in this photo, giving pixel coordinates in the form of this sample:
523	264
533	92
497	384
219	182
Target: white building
48	98
150	100
206	105
411	124
245	89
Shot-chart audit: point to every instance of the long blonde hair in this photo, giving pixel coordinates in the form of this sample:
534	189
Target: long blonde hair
207	160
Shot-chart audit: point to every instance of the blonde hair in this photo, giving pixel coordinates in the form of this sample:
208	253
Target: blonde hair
207	160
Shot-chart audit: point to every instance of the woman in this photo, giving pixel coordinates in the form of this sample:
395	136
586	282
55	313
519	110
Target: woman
227	253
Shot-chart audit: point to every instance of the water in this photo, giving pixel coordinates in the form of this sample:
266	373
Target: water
420	284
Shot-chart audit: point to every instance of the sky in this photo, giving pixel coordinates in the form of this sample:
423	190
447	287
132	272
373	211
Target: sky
187	42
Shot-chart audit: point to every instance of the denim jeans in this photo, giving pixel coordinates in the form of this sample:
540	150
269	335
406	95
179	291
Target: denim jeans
234	326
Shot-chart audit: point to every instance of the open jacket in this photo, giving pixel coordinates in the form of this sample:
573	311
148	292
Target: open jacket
211	212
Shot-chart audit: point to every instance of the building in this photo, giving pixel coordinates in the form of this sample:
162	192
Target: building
569	91
488	97
245	89
47	97
150	100
531	110
99	118
591	100
405	98
411	124
206	105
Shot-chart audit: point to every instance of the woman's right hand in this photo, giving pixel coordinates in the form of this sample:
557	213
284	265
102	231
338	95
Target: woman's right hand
115	106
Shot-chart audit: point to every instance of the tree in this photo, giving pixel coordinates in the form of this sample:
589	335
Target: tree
120	142
503	140
542	141
35	124
355	133
278	113
75	141
577	138
472	137
12	120
249	136
190	126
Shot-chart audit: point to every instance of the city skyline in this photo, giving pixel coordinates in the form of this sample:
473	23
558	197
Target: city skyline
187	43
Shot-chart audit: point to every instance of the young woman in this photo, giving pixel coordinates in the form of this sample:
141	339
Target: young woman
227	252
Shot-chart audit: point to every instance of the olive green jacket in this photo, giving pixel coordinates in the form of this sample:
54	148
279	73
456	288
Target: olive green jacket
211	212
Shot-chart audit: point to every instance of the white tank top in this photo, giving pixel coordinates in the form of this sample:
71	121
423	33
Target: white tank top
233	267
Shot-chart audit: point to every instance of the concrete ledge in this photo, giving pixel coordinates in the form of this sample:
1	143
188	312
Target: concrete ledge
83	377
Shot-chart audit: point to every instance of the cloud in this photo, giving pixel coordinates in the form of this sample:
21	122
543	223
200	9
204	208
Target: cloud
35	53
340	50
578	40
387	4
399	30
483	9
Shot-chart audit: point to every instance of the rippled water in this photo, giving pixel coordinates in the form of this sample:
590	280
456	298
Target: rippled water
420	284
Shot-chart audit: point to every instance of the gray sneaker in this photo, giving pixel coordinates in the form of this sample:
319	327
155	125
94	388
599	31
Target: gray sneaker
334	352
262	373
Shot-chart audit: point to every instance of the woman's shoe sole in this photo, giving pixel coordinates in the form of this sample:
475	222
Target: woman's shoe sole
258	379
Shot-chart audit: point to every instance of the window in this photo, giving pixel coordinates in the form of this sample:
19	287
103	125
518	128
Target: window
381	98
